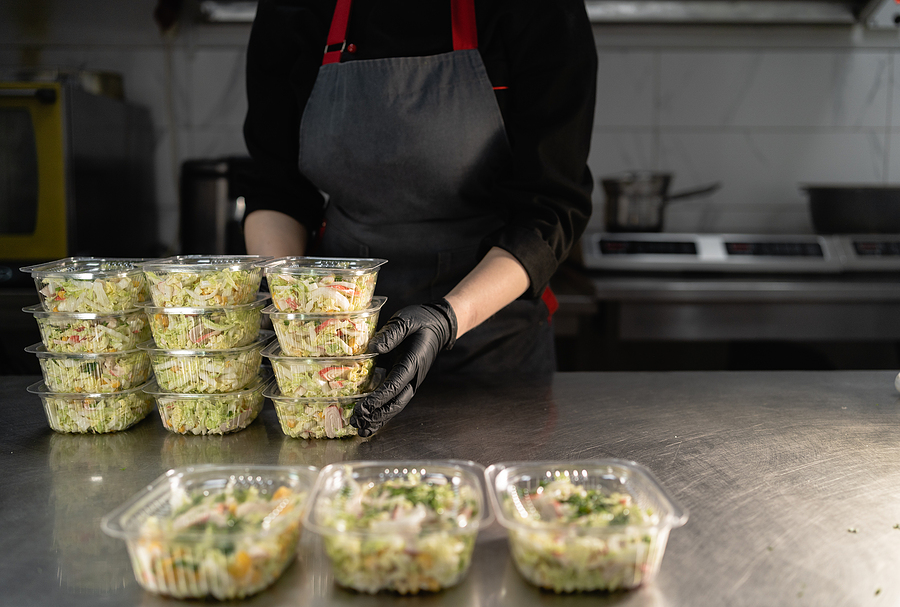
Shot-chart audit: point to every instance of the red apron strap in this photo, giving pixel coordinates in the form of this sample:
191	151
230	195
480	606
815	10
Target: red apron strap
550	301
462	13
465	34
337	35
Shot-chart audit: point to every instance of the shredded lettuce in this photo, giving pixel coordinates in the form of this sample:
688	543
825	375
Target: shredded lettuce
100	295
209	372
214	329
315	417
92	333
227	544
608	545
210	287
313	377
404	534
92	373
96	414
317	292
209	414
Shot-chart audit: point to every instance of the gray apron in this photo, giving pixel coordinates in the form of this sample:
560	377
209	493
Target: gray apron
407	149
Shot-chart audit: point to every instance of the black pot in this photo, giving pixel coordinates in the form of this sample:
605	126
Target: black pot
854	209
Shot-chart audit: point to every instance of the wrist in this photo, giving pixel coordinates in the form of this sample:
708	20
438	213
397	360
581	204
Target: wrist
446	310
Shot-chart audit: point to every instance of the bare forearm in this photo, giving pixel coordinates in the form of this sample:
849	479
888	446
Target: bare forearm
274	234
496	281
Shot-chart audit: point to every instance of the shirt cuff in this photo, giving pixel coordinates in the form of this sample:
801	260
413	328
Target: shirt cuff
532	251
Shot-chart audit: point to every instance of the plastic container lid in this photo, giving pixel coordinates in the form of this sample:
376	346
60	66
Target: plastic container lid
323	265
274	352
87	268
152	387
374	308
41	351
264	338
199	263
609	475
40	388
150	308
39	312
334	477
273	392
126	521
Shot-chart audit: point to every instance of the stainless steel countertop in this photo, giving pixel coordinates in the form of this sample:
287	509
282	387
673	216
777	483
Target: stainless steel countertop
776	469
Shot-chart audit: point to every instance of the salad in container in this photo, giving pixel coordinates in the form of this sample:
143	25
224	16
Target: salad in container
92	372
88	284
322	284
313	417
93	412
400	526
205	328
206	371
204	281
309	377
209	413
584	525
225	532
88	331
325	334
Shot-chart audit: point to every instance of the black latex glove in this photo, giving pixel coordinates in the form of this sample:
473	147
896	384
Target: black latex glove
415	335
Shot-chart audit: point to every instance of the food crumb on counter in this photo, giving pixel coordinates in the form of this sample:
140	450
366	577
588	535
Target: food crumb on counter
852	530
877	591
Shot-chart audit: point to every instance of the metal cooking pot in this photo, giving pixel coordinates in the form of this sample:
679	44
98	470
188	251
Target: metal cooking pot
854	209
635	200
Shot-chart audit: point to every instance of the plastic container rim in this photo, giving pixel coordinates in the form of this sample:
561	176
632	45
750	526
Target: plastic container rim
273	351
199	263
39	312
149	308
259	382
476	470
675	517
40	388
368	266
40	350
273	392
377	303
111	523
261	342
57	268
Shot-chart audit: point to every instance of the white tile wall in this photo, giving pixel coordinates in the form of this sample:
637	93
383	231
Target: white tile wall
761	110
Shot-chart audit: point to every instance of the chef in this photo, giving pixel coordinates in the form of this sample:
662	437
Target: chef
449	137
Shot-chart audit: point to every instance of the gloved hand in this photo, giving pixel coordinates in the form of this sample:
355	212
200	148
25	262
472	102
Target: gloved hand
415	335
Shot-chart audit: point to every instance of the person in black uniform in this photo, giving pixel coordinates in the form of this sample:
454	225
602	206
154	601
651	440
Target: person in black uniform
451	138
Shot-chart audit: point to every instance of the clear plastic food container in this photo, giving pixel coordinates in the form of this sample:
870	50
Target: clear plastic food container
206	328
92	372
195	281
339	376
221	531
404	526
88	284
336	334
206	371
90	332
584	525
209	413
93	412
322	284
317	417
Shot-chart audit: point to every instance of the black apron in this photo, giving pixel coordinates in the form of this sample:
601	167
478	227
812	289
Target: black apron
407	149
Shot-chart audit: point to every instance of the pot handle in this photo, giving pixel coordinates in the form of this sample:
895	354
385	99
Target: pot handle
701	191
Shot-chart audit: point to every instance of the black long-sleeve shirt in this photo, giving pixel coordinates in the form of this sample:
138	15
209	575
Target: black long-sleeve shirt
541	51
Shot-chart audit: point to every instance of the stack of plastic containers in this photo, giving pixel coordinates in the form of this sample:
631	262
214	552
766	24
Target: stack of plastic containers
324	315
90	325
205	319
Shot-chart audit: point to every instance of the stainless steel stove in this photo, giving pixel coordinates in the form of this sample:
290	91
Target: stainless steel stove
723	253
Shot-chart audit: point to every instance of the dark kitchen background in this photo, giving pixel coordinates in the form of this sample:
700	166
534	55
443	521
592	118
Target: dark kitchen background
759	97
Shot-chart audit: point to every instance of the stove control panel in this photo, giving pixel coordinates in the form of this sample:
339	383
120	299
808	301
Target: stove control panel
741	252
